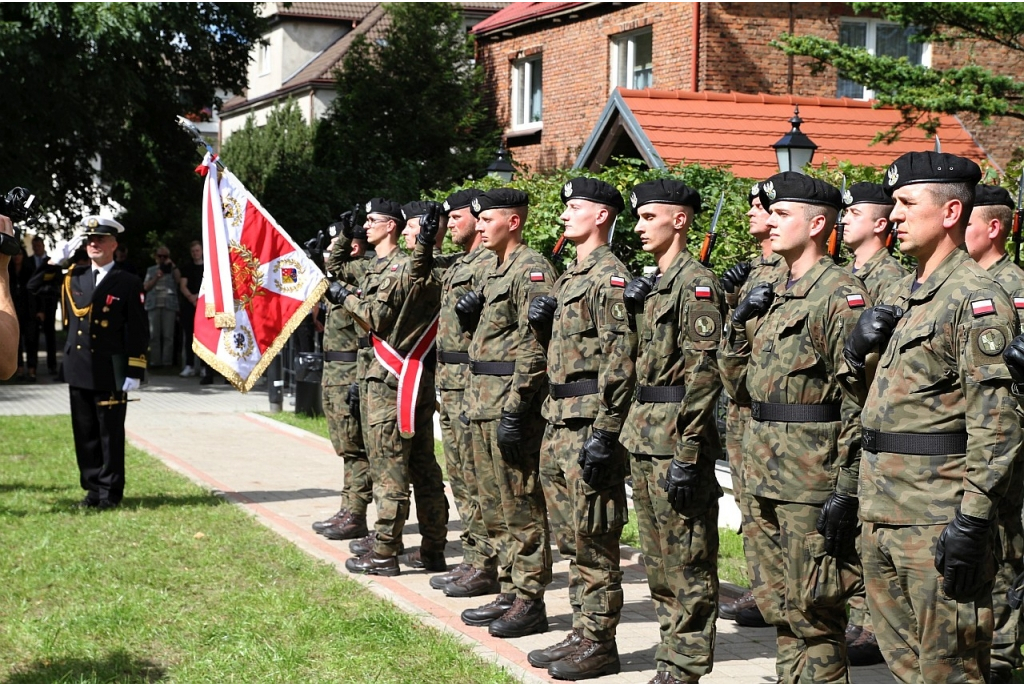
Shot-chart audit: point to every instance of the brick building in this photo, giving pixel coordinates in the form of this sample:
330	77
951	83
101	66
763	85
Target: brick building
552	67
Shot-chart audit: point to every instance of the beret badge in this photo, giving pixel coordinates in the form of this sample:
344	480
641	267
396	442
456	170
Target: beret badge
632	200
769	190
893	175
755	189
369	207
447	207
476	205
567	189
847	198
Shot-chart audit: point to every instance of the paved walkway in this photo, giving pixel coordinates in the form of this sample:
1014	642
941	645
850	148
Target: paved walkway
288	478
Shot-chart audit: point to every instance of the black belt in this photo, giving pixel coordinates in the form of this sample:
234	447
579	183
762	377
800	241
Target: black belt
492	368
453	357
660	393
363	342
560	391
924	444
339	356
795	413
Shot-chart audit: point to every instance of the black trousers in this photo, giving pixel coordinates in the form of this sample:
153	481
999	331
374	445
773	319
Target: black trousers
46	327
99	442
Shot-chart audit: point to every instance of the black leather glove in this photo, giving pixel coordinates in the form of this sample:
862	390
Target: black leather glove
963	556
347	224
597	458
337	293
430	224
735	277
510	436
755	304
634	295
837	522
468	308
352	400
873	330
683	486
1013	355
542	313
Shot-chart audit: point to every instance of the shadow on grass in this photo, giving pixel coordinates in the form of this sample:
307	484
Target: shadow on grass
116	667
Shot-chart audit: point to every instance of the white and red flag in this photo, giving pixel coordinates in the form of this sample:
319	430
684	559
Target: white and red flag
258	284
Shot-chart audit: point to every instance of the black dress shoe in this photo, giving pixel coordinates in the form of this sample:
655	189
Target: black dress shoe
438	582
591	659
542	658
428	561
87	503
372	565
490	612
728	610
526	617
318	526
349	528
107	504
751	618
476	583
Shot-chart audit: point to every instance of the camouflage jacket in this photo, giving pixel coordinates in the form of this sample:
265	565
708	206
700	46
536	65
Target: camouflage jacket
590	339
341	334
794	358
457	274
1010	278
678	343
878	273
504	335
943	372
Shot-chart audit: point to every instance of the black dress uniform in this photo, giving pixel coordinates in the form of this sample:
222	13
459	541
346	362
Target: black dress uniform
107	341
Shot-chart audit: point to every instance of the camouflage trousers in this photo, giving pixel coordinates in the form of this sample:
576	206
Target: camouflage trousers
512	505
397	462
587	525
457	438
1007	635
347	439
804	592
925	636
681	558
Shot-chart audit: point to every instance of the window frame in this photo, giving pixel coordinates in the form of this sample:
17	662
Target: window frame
521	110
627	42
870	43
264	59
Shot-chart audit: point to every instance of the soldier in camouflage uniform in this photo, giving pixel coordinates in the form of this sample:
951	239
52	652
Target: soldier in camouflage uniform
340	396
737	282
985	238
866	229
459	274
670	430
802	447
506	389
582	465
940	432
397	303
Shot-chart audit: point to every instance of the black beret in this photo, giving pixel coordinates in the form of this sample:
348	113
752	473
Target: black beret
593	189
867	194
664	191
754	191
98	225
499	198
460	198
416	208
389	208
792	186
990	196
930	167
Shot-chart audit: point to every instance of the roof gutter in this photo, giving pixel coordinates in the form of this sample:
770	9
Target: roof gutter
533	20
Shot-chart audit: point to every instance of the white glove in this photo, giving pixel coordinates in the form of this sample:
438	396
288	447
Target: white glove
131	384
66	249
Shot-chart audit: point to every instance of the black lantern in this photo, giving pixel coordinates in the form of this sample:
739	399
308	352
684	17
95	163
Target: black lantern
501	168
794	150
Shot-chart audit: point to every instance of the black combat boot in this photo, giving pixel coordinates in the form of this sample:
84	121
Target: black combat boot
438	582
474	584
372	565
542	658
526	617
349	528
590	660
490	612
318	526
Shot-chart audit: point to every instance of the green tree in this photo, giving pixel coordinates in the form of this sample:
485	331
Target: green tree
91	91
276	162
408	115
920	92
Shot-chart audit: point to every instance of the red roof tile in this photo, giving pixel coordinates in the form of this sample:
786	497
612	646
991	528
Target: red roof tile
351	11
519	12
738	129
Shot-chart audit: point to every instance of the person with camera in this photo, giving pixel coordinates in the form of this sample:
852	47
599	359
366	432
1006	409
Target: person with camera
10	331
161	286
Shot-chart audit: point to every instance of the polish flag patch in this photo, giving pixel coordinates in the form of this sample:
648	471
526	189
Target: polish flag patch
394	267
618	281
855	301
537	276
1018	302
702	292
982	307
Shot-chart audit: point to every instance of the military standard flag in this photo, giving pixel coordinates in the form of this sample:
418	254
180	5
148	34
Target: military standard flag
258	284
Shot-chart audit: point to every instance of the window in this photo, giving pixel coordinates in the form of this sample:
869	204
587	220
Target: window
264	59
527	79
880	38
633	60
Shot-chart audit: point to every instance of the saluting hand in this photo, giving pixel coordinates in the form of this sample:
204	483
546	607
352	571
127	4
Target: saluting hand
873	330
430	224
755	304
634	296
337	293
468	309
735	277
542	313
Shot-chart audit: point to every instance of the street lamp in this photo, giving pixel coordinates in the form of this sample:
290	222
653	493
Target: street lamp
794	150
501	168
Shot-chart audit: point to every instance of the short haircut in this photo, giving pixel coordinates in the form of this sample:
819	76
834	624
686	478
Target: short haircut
964	192
830	213
194	243
1001	212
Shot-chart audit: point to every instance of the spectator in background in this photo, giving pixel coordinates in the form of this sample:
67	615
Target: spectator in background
121	260
161	287
44	313
191	279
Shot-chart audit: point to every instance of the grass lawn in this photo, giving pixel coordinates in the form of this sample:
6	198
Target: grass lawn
178	586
